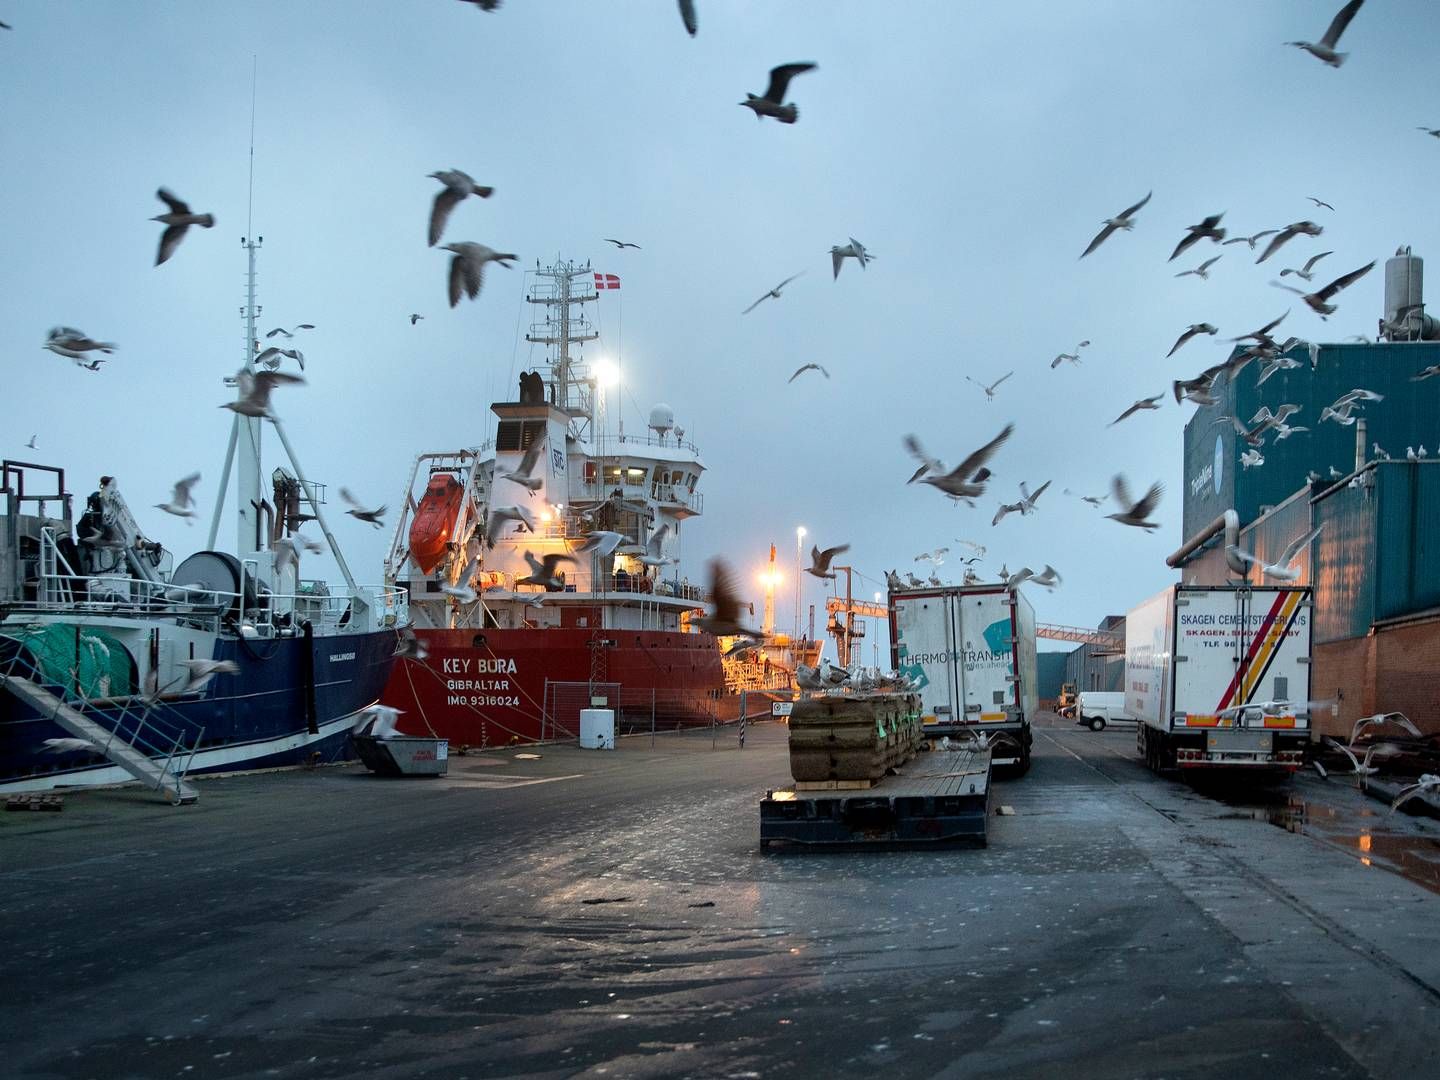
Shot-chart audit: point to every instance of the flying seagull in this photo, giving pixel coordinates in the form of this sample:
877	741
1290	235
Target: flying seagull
771	103
291	332
1251	240
481	5
1308	228
1135	513
725	620
542	571
180	499
74	344
458	187
990	390
688	17
808	367
621	245
1143	403
1194	233
31	444
414	318
1203	270
1191	331
853	250
1427	783
1049	577
1318	203
1430	131
1429	372
773	294
602	542
359	513
467	268
1124	220
1324	49
270	358
1319	299
176	221
820	561
1308	271
522	474
1280	569
654	547
967	480
255	388
501	514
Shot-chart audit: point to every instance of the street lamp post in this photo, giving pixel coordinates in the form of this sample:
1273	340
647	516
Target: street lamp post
799	544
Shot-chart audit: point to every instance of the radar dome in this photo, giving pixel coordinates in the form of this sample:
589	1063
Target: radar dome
662	418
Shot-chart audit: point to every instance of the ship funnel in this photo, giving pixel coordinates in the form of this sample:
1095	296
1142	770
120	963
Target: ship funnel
1405	318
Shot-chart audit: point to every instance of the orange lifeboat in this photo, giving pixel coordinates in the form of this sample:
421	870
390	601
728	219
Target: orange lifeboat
434	518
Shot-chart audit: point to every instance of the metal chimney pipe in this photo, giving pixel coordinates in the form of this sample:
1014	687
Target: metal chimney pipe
1359	444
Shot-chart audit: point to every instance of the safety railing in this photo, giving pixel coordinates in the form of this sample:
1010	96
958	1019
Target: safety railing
252	608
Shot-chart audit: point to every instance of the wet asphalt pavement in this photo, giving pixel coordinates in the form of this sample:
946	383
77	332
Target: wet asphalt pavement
610	914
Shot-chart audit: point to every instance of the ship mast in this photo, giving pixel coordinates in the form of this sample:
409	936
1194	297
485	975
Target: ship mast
556	289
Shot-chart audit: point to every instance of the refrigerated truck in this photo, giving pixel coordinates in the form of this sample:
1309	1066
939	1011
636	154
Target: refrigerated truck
1211	674
970	652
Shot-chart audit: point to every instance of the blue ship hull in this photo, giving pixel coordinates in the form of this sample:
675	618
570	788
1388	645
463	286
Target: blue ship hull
291	700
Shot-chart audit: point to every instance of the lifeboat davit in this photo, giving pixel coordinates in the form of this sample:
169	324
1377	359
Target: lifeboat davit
434	520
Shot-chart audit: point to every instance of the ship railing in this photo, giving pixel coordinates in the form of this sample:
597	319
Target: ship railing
679	496
659	440
582	581
61	588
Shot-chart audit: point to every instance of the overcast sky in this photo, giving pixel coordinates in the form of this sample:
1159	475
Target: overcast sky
975	147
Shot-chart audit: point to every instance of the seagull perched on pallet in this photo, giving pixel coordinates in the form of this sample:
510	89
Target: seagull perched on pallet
772	102
1124	220
820	561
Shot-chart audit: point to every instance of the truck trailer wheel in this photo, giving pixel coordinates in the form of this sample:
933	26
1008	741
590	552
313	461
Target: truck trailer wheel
1097	723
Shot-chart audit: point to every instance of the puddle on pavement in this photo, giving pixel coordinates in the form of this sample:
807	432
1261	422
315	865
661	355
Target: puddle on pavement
1416	858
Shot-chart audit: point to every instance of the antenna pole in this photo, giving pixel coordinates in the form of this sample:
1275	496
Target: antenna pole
248	428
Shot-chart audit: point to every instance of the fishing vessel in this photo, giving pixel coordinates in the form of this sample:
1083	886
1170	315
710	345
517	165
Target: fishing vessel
513	650
104	641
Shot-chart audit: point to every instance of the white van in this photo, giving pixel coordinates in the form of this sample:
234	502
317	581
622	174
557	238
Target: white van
1097	708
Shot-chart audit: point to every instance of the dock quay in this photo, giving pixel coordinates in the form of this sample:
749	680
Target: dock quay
585	911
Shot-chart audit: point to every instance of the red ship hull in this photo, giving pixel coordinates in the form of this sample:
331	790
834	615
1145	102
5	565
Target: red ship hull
498	687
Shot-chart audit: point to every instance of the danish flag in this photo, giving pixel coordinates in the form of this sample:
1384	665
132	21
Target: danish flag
607	281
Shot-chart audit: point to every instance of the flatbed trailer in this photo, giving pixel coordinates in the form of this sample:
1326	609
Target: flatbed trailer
938	797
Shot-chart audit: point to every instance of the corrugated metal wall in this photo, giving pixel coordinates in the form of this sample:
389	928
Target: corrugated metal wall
1214	480
1345	568
1050	673
1089	671
1408	538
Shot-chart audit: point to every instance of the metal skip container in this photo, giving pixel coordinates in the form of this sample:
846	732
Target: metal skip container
404	755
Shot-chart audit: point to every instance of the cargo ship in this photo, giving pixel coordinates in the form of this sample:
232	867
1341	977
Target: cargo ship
521	623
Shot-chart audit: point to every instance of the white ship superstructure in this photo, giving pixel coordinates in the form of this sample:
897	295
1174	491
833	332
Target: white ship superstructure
463	523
